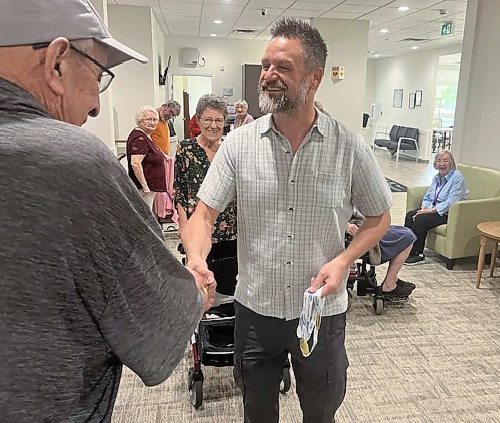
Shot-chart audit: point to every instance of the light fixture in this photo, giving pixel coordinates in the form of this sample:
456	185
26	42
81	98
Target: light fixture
217	21
213	35
384	30
414	47
370	52
403	8
376	55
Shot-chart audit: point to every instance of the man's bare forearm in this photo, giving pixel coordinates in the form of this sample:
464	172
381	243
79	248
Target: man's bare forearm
369	234
197	233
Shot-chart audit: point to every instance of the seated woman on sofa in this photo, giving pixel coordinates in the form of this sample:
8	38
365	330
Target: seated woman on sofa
447	187
395	247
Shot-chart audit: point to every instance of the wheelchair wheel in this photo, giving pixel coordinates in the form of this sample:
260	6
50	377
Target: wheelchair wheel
378	306
195	388
285	381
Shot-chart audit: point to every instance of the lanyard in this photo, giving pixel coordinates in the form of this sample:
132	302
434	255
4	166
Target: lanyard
310	321
436	192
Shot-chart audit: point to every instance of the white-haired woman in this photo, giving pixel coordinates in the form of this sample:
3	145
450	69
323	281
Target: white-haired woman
447	187
242	116
145	161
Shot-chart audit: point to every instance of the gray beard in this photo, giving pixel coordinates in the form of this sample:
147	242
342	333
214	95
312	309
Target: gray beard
285	103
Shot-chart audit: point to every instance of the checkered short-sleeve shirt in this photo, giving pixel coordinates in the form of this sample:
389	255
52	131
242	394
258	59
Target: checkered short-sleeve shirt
292	208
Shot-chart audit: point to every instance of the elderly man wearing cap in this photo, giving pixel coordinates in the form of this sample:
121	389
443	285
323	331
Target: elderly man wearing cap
86	282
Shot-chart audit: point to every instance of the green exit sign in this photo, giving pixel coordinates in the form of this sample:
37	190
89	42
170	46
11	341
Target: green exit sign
447	29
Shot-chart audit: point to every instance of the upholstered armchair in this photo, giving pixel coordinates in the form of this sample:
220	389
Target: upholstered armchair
459	237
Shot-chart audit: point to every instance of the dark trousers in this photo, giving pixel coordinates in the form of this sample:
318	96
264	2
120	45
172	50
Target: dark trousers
421	225
262	345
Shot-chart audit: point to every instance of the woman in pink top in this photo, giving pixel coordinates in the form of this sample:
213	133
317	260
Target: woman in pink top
242	116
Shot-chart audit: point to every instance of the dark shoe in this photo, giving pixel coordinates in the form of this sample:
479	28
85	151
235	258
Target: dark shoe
415	259
399	291
404	283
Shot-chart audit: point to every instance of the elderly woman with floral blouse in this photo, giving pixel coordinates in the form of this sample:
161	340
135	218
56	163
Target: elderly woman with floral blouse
192	161
146	165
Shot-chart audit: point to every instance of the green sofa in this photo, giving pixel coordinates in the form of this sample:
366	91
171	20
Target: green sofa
460	237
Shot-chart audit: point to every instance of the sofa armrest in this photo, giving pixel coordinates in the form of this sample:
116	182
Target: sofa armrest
407	139
414	197
381	132
464	216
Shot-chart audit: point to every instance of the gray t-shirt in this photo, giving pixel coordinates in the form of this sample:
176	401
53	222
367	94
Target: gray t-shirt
86	282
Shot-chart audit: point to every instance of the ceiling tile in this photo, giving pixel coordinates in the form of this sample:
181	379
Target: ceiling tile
303	13
258	4
339	15
352	8
414	4
179	5
308	5
368	2
226	2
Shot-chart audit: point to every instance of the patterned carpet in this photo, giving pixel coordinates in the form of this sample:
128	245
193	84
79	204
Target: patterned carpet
437	359
395	186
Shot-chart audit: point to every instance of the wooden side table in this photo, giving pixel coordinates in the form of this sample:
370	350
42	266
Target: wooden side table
490	231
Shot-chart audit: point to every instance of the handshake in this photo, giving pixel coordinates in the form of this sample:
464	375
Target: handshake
205	281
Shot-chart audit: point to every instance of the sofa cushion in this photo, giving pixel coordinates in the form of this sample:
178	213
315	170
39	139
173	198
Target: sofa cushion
482	182
382	142
401	132
394	132
412	133
439	230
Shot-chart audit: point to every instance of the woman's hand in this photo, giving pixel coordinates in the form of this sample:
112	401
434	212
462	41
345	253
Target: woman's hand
145	189
425	210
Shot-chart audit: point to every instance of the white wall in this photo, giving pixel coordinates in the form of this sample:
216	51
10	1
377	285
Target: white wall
102	126
477	123
371	84
231	54
135	83
411	72
347	42
158	43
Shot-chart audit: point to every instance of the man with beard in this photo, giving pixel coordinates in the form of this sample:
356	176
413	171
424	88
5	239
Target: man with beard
296	174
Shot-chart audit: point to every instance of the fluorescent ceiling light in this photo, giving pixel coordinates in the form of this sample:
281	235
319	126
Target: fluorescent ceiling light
376	55
384	30
217	21
414	47
403	8
213	35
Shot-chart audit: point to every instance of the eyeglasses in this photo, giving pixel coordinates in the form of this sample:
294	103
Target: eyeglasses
209	122
106	75
150	120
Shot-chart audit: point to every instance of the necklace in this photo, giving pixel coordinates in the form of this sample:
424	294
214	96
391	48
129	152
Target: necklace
207	147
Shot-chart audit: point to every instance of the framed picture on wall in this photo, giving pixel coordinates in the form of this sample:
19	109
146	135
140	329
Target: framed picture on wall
397	98
418	98
411	101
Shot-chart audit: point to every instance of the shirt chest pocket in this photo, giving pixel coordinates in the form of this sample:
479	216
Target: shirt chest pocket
329	190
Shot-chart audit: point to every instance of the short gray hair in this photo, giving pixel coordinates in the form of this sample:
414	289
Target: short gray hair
313	45
211	101
141	112
441	154
241	103
173	104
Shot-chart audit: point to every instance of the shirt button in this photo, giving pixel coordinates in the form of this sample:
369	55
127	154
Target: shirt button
289	237
290	209
288	263
292	181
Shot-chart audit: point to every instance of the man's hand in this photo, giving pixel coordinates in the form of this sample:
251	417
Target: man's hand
205	281
352	229
330	277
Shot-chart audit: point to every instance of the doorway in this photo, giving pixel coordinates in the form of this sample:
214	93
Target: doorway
187	90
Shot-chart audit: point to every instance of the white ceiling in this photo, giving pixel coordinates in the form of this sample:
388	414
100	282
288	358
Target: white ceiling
422	21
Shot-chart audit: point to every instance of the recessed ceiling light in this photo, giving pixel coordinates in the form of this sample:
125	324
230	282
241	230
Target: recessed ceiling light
213	35
376	55
414	47
217	21
384	30
370	52
403	8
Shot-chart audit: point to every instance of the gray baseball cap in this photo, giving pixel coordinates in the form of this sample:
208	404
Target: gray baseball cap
26	22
